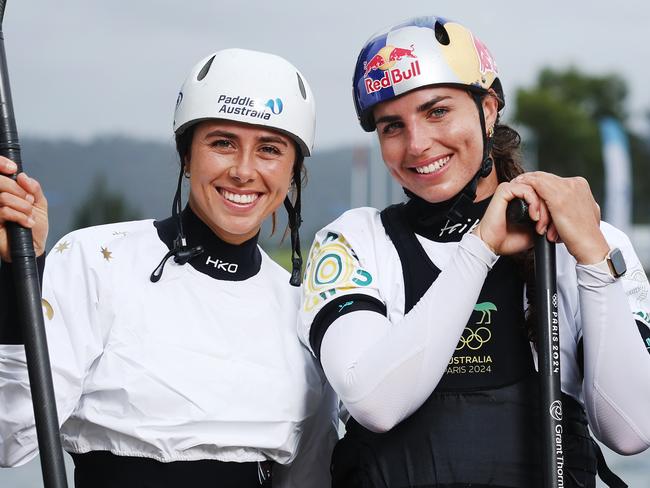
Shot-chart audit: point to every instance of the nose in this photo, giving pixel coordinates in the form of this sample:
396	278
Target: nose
418	139
243	169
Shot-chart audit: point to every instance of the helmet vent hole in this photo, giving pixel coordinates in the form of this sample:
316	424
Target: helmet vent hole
441	34
204	71
301	86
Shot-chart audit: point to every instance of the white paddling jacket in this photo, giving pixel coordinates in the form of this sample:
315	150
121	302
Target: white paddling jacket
189	368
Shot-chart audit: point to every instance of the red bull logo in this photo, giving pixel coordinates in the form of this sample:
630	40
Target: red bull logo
385	60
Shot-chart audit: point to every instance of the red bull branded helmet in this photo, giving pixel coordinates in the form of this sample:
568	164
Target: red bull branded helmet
251	87
419	52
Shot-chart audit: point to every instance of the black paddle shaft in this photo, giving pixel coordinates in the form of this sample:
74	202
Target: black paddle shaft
29	302
548	350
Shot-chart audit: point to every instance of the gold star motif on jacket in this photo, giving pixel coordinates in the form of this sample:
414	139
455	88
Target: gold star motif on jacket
108	255
63	246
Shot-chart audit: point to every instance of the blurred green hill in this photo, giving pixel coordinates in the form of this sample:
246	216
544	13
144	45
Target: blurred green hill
138	178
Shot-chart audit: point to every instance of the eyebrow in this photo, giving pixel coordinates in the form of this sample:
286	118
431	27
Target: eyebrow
232	135
221	133
275	139
420	108
427	105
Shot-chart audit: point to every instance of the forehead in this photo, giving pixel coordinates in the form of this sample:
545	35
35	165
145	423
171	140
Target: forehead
409	102
240	129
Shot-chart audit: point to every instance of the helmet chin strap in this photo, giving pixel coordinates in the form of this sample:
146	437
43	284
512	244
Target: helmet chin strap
294	225
468	194
180	251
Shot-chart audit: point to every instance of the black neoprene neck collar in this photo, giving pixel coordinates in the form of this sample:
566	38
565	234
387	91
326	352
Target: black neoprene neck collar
431	220
219	259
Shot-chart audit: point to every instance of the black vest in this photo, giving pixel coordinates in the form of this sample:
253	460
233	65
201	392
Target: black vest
480	426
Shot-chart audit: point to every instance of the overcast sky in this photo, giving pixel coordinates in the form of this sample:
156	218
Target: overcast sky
81	68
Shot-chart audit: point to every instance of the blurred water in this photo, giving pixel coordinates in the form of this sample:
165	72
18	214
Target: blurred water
29	475
634	470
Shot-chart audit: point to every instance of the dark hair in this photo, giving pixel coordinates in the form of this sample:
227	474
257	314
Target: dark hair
184	149
507	163
184	144
298	179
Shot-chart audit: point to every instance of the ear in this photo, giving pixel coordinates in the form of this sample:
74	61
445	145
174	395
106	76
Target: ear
490	108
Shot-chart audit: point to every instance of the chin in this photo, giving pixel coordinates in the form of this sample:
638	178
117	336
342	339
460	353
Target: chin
241	230
434	195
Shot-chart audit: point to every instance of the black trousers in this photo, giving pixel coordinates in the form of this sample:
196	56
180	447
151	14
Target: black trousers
102	469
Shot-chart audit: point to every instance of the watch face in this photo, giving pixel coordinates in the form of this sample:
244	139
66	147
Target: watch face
618	262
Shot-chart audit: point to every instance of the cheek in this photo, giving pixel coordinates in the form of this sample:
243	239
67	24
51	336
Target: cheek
391	153
278	178
461	135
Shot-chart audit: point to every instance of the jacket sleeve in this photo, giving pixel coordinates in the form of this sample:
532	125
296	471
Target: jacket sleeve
384	371
616	361
69	305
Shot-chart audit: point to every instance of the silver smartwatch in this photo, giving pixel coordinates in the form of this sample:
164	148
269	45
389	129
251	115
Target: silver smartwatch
614	263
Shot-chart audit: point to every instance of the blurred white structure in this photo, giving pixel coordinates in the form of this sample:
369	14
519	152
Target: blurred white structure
617	174
640	237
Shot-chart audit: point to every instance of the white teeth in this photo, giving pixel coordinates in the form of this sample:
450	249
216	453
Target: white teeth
238	197
435	166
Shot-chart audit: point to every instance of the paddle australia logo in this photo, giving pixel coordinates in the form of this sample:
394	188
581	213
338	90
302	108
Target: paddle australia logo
250	107
222	265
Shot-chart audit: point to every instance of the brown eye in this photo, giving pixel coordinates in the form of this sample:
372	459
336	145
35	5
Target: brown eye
222	143
271	150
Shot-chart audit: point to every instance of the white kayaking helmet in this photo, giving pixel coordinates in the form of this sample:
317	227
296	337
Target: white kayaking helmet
251	87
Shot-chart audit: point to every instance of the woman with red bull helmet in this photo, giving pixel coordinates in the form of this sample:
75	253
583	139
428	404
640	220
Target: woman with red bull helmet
195	376
418	313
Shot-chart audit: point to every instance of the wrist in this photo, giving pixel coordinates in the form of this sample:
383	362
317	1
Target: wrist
613	263
596	253
477	233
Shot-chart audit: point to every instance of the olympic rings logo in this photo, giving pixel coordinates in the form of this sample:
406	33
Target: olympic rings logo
474	339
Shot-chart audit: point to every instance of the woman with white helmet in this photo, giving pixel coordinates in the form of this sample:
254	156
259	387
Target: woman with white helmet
417	313
184	371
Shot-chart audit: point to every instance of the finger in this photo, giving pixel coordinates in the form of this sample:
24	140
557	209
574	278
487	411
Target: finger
23	205
543	183
32	187
8	214
527	193
7	166
553	235
11	186
544	219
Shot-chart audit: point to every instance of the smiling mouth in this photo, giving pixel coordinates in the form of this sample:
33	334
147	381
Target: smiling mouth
432	167
239	198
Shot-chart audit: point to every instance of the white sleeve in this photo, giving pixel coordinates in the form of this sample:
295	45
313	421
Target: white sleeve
311	466
383	372
342	261
617	365
69	304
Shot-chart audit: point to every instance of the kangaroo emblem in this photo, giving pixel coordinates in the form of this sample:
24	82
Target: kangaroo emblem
486	308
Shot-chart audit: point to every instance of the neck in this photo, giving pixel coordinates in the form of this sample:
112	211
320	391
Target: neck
431	220
230	261
225	236
487	186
